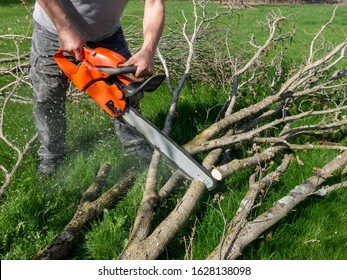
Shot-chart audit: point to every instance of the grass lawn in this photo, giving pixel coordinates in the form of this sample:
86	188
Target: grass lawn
35	209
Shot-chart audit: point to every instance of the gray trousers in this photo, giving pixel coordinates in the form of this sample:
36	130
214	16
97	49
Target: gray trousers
50	86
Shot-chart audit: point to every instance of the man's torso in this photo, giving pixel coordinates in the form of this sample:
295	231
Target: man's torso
95	20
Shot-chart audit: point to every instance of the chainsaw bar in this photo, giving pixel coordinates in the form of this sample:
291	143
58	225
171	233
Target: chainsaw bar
169	148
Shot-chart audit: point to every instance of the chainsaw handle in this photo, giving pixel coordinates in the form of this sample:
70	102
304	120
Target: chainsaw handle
117	71
82	75
85	52
65	64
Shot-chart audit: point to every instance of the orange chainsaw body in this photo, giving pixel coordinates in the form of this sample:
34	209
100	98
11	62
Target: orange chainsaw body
86	76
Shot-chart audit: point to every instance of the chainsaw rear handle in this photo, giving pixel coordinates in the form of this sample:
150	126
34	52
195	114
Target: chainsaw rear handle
65	64
83	75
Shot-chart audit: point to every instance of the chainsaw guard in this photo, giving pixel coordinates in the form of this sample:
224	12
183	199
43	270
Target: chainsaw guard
148	85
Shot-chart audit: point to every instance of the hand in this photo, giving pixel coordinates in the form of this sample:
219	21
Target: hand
144	62
72	42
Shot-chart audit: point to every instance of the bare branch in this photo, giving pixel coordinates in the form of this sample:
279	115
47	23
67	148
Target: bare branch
240	218
20	154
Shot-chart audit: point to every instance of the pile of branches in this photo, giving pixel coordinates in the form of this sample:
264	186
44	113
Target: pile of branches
266	126
317	88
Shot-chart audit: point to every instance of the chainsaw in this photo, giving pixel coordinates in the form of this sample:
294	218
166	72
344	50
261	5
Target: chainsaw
110	86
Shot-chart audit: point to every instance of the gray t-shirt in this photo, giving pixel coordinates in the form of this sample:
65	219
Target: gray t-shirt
94	19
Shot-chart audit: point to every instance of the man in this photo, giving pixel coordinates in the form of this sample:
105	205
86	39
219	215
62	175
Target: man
70	25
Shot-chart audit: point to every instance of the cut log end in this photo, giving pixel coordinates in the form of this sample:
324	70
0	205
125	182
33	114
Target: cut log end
216	174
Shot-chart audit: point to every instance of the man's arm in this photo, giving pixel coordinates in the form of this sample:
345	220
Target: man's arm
153	24
70	40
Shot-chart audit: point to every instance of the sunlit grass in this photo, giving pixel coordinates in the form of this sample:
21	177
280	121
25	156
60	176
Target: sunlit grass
36	209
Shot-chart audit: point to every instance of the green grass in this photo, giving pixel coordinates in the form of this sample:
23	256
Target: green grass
35	209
